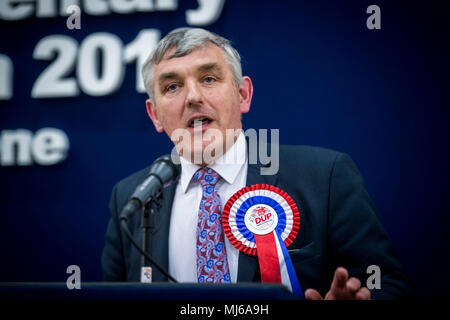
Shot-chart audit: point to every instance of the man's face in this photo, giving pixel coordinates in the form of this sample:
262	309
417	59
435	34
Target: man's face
197	93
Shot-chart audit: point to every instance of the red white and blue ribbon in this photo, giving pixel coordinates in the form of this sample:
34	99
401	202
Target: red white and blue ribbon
263	220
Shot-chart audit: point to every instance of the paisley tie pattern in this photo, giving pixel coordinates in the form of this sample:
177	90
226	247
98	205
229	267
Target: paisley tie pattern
212	263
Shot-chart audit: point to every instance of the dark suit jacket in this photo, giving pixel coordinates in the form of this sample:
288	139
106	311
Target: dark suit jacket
338	225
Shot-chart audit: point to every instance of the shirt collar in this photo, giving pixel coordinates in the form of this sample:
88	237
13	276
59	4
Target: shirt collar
227	166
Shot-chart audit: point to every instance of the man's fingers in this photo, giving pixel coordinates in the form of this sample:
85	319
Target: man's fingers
312	294
363	294
353	284
343	288
340	278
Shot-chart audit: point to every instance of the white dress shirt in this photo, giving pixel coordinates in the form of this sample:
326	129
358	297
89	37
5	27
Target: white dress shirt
232	168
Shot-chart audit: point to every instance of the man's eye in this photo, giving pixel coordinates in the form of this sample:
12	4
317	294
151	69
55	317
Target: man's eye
172	87
209	79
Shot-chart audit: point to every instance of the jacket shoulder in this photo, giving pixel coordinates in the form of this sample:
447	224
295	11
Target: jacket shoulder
311	165
307	156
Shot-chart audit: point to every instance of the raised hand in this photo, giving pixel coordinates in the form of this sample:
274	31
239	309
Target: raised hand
342	288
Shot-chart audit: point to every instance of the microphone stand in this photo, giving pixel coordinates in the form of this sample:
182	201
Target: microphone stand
147	226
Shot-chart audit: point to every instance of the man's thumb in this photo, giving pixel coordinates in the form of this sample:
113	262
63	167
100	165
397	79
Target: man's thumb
312	294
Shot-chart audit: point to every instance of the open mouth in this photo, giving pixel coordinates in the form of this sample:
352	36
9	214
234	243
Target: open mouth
200	121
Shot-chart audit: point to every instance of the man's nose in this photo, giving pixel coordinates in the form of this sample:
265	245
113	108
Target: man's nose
193	95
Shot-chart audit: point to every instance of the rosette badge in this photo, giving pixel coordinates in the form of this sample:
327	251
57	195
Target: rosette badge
263	220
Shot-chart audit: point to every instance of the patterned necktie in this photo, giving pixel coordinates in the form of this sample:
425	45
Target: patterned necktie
212	263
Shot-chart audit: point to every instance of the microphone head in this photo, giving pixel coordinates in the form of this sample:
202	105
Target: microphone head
165	169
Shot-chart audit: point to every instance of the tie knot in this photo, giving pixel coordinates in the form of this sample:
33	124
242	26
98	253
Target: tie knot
206	176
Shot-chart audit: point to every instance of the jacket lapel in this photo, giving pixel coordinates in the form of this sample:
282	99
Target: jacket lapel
160	235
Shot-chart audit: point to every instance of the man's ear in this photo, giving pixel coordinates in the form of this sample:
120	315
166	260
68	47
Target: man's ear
153	114
246	94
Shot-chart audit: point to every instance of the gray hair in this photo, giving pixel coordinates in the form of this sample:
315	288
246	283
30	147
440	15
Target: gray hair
185	40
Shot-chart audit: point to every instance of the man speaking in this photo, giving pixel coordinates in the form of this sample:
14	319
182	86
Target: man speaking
311	225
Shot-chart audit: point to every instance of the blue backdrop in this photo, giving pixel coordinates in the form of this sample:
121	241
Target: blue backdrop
320	76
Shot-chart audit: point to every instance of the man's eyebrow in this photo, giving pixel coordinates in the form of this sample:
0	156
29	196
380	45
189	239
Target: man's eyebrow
213	66
167	76
207	67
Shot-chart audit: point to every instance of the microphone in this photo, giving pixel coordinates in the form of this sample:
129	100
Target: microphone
162	171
